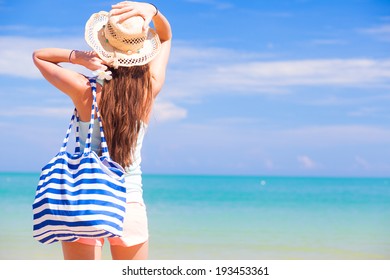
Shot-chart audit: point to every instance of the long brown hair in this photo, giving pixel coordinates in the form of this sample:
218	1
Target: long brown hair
125	102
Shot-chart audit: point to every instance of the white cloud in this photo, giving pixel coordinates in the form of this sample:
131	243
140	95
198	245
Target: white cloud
185	53
224	73
306	162
167	111
381	32
269	164
265	142
37	112
32	29
217	4
320	42
330	135
344	72
162	112
322	149
361	162
195	71
366	112
16	53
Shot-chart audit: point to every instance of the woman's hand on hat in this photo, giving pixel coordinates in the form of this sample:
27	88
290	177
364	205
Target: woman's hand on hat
90	60
125	10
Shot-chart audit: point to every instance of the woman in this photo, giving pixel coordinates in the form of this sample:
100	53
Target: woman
131	58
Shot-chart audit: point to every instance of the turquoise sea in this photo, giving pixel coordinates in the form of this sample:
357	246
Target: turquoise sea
232	217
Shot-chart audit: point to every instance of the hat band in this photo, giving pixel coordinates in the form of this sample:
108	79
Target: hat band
122	41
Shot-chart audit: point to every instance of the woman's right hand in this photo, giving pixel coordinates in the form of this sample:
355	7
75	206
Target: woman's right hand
127	9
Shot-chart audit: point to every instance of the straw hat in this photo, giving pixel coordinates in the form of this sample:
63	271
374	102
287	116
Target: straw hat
121	44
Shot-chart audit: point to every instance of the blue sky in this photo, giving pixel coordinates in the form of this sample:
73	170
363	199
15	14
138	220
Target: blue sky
293	88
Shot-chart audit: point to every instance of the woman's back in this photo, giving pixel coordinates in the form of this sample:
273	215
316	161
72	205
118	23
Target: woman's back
134	72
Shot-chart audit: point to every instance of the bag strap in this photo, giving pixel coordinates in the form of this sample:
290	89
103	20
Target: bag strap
77	148
87	148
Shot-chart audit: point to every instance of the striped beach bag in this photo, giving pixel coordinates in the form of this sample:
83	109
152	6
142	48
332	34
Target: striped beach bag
80	194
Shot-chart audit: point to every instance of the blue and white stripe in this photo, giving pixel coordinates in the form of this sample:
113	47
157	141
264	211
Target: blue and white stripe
80	194
77	148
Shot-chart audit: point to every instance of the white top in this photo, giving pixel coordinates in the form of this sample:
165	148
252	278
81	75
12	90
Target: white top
133	173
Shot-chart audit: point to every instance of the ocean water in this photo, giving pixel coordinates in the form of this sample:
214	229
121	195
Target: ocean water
232	217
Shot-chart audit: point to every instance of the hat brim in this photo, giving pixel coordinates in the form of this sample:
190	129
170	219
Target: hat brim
94	36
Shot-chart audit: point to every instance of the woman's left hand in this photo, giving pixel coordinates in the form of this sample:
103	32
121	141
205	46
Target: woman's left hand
128	9
90	60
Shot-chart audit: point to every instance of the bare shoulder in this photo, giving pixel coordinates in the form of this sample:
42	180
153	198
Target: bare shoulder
82	98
